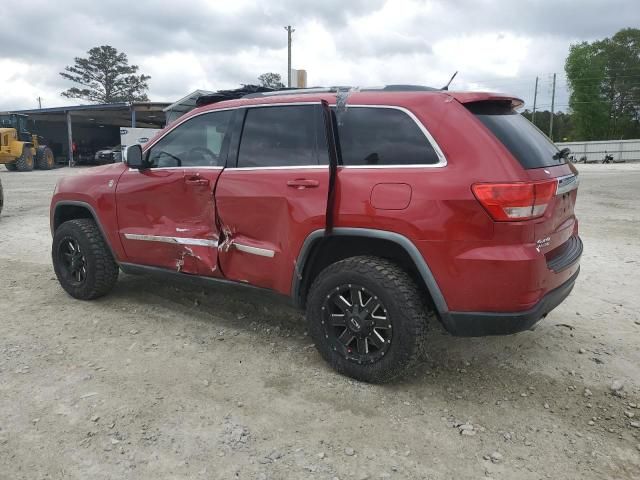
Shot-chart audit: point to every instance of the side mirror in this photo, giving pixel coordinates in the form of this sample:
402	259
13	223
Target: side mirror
134	156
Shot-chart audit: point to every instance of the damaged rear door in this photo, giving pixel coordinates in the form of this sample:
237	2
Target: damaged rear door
166	211
273	193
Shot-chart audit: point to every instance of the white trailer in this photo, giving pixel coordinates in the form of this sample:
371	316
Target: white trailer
132	136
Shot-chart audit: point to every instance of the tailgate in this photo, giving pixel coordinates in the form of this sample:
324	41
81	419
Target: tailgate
556	232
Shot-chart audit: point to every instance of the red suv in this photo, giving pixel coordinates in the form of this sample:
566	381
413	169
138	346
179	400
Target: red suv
372	209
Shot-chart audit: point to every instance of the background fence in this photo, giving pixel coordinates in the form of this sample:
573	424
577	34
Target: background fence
621	150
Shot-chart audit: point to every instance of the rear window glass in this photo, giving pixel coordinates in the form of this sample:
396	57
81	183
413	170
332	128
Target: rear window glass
525	142
382	136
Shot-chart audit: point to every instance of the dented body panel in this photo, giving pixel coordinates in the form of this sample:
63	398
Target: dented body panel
264	213
166	218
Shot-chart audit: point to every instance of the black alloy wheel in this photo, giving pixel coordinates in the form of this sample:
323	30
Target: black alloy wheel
367	318
73	261
357	324
82	260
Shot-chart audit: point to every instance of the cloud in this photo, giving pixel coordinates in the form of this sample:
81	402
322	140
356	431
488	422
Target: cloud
495	44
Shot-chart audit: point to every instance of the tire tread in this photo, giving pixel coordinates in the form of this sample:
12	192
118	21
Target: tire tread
106	268
391	277
21	163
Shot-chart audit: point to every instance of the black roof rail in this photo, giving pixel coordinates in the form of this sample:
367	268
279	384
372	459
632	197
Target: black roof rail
222	95
301	91
256	91
406	88
294	91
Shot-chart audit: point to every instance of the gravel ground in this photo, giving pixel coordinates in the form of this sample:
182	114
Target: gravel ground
158	381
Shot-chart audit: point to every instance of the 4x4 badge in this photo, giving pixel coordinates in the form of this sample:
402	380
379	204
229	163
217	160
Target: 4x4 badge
543	242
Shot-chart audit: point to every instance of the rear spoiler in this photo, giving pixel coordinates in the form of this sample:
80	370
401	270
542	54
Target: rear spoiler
473	97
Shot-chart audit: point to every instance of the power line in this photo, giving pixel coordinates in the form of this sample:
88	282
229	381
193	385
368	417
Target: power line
628	69
605	102
523	79
500	79
605	77
628	84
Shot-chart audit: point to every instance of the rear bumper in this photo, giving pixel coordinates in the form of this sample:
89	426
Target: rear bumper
478	324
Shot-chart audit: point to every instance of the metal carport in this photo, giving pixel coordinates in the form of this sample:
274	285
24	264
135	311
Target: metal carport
100	122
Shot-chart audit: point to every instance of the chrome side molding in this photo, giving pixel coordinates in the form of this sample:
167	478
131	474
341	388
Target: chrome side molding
203	242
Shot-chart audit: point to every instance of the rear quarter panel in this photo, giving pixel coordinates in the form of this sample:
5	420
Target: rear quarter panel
479	264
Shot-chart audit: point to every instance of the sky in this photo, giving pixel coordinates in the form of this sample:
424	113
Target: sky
497	45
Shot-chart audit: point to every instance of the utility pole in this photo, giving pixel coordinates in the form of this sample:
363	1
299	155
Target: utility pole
289	32
39	102
553	102
69	138
535	101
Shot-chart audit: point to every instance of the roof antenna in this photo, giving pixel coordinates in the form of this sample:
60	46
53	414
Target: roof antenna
446	87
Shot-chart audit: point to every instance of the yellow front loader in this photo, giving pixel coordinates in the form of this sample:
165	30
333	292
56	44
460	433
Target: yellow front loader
19	149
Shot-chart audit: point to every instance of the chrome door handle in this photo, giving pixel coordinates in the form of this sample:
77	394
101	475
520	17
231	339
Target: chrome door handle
301	183
196	181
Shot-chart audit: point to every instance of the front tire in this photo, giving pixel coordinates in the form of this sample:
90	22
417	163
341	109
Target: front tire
82	261
44	158
25	161
367	319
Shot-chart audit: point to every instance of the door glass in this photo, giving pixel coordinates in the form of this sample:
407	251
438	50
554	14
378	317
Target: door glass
383	136
195	143
280	137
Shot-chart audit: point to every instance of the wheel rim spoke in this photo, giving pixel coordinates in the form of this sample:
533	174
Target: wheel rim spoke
376	339
363	346
357	324
356	299
371	306
73	261
346	337
342	303
338	320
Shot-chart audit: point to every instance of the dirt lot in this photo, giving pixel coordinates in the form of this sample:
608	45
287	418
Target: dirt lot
159	382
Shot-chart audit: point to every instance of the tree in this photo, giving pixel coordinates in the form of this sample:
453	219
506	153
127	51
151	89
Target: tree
563	129
271	80
106	77
604	85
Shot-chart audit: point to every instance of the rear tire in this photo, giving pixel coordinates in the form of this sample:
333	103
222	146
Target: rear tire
44	158
392	335
82	261
25	161
1	197
10	166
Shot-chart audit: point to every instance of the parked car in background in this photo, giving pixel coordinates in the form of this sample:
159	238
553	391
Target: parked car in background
109	155
373	212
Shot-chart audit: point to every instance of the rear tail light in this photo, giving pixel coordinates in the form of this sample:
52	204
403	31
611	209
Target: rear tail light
511	202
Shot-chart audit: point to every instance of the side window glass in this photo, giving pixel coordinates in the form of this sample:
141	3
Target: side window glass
280	137
383	136
196	143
